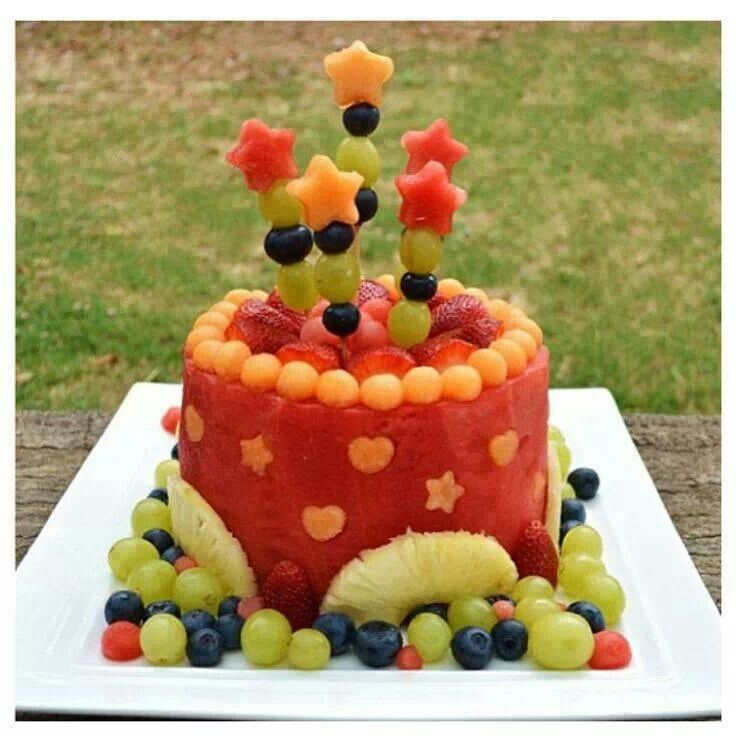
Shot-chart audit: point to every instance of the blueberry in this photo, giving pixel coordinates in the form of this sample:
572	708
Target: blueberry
500	597
366	200
197	619
124	605
439	609
287	245
160	494
566	526
337	237
591	613
472	648
361	119
175	452
339	630
161	607
377	643
160	539
204	648
228	605
585	482
172	554
510	639
341	319
418	287
229	626
573	509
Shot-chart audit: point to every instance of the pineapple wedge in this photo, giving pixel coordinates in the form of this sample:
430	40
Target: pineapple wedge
387	582
201	533
554	495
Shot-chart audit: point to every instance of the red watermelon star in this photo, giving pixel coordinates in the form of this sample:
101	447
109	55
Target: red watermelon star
429	200
433	144
263	154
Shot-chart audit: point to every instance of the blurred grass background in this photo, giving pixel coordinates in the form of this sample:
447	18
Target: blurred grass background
594	182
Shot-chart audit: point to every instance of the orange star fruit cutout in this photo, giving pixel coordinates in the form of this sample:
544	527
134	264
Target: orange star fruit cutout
263	154
433	144
256	455
429	199
326	193
443	492
358	75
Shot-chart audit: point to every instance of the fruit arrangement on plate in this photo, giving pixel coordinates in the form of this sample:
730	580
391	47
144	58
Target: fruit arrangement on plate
363	464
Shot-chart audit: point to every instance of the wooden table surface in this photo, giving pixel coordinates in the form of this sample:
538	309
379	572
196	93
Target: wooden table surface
682	454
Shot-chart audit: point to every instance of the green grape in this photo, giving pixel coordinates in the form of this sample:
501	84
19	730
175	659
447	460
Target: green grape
279	207
309	649
163	639
420	250
532	586
561	641
359	154
564	456
265	637
574	568
198	588
606	592
127	554
295	285
150	513
583	539
530	610
163	470
337	277
470	611
431	635
153	581
409	323
567	491
555	435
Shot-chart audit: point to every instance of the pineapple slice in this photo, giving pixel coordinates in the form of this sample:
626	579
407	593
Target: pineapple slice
387	582
201	533
554	495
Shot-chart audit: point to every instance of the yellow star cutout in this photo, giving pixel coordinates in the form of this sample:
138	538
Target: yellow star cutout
256	455
326	193
358	74
443	493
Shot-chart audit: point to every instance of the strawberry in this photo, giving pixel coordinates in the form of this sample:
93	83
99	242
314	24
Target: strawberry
321	357
275	301
371	290
457	313
263	327
442	352
435	302
287	589
482	332
536	553
387	359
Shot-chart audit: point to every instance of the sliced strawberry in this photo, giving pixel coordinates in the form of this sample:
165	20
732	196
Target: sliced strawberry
435	302
387	359
297	317
482	332
443	351
321	357
536	553
371	290
264	328
287	589
456	313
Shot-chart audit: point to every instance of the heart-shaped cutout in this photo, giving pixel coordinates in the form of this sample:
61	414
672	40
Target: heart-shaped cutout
371	454
503	447
323	523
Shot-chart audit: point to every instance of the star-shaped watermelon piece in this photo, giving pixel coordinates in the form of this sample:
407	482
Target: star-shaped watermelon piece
263	154
429	199
433	144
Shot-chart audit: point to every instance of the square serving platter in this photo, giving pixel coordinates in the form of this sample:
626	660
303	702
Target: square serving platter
670	620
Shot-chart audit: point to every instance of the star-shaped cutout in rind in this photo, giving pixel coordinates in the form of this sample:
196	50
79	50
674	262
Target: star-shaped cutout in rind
326	193
443	493
428	198
358	74
433	144
256	455
263	154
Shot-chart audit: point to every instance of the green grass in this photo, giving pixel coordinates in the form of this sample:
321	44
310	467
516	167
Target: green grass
594	182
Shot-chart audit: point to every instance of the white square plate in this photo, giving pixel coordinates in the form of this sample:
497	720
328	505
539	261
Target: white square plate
62	584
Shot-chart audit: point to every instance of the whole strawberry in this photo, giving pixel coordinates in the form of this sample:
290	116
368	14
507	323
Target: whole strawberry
536	553
287	589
